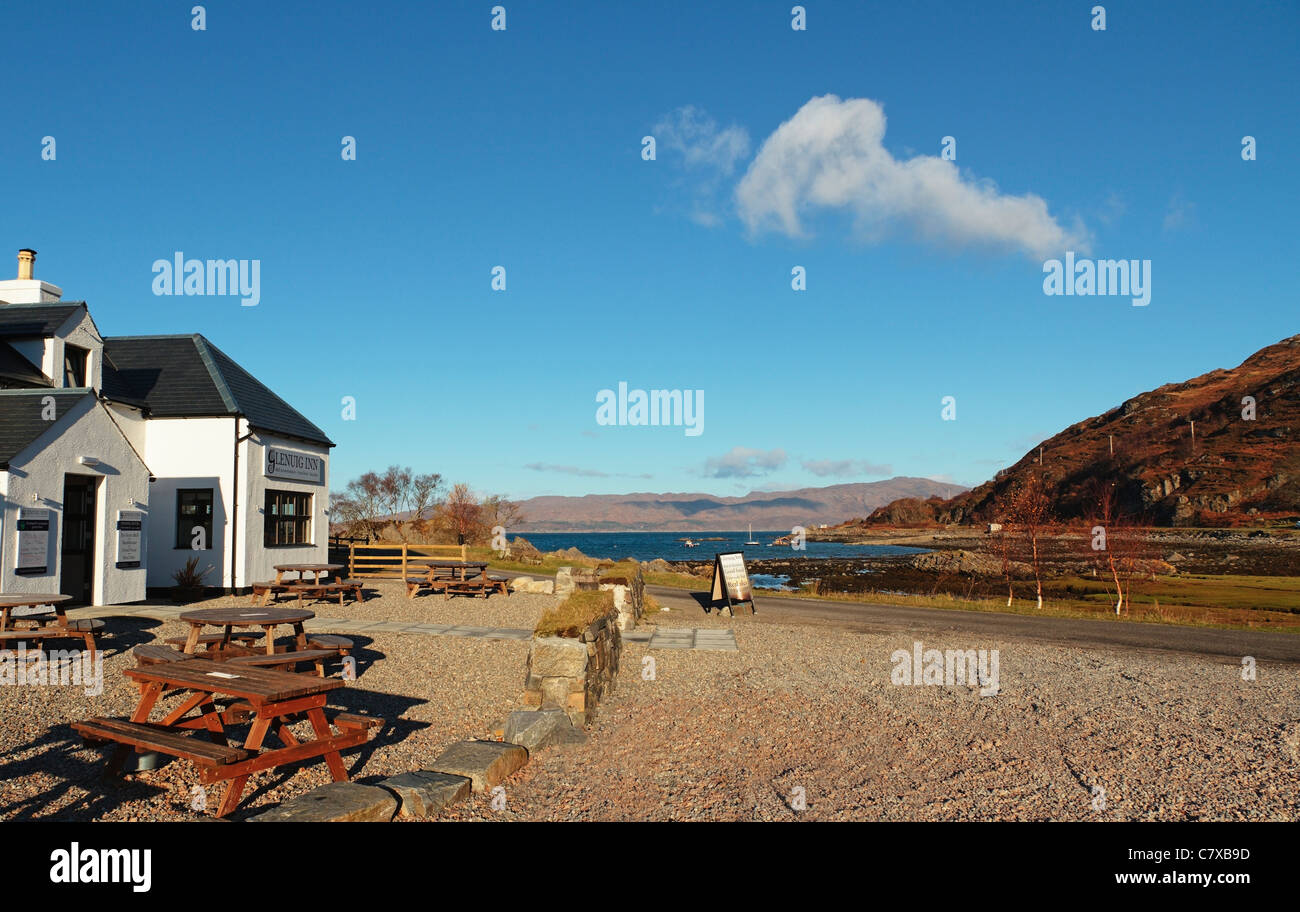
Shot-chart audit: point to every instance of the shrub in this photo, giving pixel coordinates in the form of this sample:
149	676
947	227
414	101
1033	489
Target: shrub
189	576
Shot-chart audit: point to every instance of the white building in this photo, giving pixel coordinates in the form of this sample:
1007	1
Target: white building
123	457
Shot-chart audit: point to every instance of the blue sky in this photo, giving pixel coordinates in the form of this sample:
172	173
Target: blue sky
522	148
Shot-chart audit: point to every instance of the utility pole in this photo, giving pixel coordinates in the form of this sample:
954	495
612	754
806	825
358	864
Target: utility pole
1111	437
1193	422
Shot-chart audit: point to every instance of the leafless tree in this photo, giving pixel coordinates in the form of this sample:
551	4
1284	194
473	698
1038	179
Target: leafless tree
461	514
1030	509
376	499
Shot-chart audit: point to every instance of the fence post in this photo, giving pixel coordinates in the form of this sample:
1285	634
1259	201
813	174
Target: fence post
403	561
352	558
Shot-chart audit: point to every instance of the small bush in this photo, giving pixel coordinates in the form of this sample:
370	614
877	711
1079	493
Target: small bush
650	605
575	614
190	576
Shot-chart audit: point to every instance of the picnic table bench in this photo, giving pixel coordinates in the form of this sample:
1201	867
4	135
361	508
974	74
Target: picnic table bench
45	625
453	578
272	699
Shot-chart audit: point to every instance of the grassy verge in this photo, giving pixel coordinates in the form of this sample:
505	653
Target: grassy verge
575	613
1235	603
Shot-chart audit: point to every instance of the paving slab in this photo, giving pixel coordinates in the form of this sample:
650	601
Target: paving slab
485	763
425	793
337	802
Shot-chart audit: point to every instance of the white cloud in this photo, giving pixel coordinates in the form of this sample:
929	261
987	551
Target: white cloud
693	135
841	468
706	157
744	462
831	155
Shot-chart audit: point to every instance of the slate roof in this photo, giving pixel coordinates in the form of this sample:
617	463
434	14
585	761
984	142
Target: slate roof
35	319
189	377
17	369
21	417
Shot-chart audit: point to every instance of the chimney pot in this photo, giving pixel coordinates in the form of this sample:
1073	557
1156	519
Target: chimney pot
26	263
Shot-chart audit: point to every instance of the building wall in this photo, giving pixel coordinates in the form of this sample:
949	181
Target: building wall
39	469
258	560
189	453
82	334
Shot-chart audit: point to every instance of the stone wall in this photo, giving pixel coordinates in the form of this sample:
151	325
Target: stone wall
575	673
629	598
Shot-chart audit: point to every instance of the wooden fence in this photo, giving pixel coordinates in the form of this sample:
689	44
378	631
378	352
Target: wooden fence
389	560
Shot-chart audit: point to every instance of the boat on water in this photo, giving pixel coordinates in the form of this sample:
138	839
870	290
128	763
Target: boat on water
688	543
751	535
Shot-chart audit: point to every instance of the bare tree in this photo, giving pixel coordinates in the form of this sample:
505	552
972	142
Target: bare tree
374	500
461	514
498	511
1119	544
1030	508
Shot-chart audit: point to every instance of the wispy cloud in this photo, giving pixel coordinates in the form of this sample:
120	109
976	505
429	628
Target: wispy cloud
843	468
1181	214
579	471
694	136
744	462
830	155
707	156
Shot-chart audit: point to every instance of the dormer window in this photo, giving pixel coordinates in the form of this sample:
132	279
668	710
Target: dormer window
75	361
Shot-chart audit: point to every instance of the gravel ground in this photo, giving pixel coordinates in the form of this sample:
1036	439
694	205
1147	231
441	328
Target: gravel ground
734	736
731	736
433	690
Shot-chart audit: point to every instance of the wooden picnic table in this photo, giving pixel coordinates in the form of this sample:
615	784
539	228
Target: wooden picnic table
301	569
57	601
268	618
44	625
459	568
453	577
273	700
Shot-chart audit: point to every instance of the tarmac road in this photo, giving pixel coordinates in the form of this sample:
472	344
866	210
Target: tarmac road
880	618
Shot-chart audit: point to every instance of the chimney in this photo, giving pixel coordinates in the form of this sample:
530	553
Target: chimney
25	289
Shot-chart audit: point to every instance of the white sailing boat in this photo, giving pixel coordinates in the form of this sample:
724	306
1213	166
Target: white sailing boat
751	535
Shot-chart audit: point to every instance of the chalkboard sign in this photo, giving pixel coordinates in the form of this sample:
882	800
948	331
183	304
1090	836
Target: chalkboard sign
731	581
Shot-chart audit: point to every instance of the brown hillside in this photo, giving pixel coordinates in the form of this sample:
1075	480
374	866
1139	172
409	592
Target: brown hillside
1235	471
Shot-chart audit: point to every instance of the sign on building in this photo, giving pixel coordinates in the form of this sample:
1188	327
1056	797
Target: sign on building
130	529
731	582
33	542
290	465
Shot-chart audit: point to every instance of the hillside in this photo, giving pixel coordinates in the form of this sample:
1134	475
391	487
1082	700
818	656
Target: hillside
707	512
1234	471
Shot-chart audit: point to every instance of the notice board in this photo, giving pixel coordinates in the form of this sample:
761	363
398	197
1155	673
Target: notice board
731	585
33	542
130	528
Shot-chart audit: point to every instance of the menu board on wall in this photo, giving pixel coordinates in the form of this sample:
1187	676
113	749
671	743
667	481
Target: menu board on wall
731	581
33	542
130	529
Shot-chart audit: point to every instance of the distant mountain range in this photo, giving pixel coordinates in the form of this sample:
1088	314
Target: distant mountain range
709	513
1241	464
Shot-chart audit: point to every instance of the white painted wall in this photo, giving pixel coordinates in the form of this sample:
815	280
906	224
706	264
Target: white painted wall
79	330
257	561
85	431
189	453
